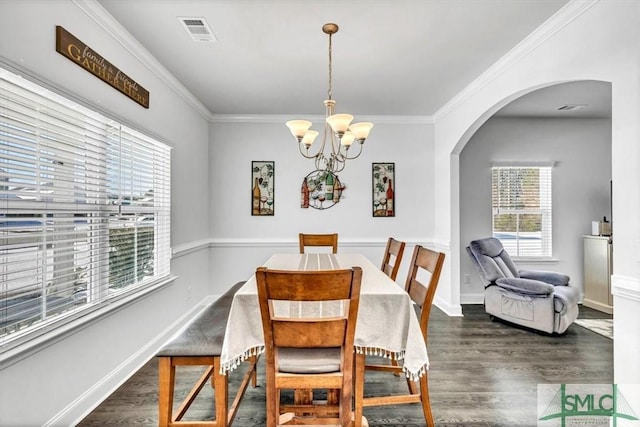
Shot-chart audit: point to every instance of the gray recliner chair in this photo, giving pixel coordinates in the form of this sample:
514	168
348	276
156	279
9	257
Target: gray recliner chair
537	299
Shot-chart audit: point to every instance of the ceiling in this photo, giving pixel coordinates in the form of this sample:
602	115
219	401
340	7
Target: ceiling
592	99
390	57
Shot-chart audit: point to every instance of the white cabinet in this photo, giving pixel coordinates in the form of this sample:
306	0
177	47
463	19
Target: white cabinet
597	273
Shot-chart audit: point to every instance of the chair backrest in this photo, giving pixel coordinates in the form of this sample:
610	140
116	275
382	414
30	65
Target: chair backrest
491	260
327	240
392	257
308	332
424	259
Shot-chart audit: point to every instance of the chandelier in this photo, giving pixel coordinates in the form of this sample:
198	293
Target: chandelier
339	133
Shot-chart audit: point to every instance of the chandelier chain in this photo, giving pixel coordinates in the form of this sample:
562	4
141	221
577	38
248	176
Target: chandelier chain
339	133
330	66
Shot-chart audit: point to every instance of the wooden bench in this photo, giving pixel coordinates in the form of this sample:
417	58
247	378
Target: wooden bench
200	343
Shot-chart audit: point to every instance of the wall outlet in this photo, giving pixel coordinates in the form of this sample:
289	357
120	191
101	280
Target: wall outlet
466	279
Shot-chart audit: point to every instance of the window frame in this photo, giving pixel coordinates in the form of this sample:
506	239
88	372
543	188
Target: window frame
28	338
515	244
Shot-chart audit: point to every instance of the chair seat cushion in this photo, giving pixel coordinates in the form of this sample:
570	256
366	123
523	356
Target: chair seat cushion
309	360
525	286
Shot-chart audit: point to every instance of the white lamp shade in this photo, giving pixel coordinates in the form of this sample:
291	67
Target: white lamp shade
309	137
339	122
347	139
361	130
298	127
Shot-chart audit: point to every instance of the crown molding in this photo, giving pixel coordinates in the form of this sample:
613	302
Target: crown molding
567	14
551	26
106	21
281	118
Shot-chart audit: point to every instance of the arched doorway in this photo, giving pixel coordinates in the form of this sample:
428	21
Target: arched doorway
567	124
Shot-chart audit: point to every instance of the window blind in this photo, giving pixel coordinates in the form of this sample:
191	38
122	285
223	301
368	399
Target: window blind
521	206
84	208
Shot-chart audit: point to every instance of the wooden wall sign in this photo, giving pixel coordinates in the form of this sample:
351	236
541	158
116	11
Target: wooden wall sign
69	46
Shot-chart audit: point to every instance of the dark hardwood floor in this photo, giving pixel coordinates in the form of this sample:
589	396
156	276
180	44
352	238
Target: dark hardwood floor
482	374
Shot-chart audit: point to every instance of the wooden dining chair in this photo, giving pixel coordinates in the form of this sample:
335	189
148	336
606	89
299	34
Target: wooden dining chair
424	261
392	257
309	352
327	240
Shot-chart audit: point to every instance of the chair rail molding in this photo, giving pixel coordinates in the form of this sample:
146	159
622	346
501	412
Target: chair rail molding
625	287
293	243
198	245
190	247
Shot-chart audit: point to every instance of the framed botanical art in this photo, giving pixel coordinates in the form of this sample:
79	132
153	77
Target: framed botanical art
383	197
262	192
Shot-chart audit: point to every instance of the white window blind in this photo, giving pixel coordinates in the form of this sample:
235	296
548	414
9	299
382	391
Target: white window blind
521	205
84	209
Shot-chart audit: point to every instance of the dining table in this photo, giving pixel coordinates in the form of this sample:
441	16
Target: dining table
387	324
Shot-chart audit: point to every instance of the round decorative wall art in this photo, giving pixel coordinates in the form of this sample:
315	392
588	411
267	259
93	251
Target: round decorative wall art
321	189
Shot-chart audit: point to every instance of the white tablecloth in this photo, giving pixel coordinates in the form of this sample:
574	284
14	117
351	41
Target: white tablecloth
387	323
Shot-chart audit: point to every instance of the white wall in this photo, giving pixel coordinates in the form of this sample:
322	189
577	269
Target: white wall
242	241
584	41
64	379
581	150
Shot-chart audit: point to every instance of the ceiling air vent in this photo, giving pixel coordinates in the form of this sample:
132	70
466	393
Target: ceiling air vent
198	29
572	107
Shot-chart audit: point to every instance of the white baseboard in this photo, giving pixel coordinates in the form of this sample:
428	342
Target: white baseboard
450	310
77	410
475	298
597	306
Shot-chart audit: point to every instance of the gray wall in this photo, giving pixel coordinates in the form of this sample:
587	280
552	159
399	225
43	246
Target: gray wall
64	377
242	241
581	179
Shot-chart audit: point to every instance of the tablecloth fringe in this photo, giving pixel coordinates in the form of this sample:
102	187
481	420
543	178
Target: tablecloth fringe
371	351
236	361
415	376
388	354
380	352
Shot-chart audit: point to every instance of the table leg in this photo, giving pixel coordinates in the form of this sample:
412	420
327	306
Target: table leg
358	395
